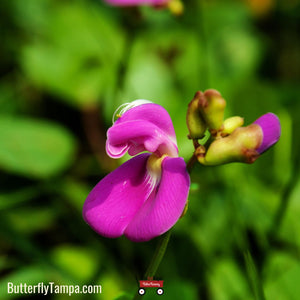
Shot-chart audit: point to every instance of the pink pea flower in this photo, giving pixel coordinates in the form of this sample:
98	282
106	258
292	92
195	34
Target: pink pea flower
145	196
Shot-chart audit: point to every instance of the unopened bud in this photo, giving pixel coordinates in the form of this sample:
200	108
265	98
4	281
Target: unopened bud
240	146
231	124
212	107
244	144
194	119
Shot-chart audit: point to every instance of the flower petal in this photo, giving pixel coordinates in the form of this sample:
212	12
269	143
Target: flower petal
147	127
115	200
165	205
271	129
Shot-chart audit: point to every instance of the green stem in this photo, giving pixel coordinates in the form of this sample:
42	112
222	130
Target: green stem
191	163
253	276
157	257
158	254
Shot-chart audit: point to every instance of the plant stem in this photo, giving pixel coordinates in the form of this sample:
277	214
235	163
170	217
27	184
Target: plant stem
158	254
191	163
253	276
157	257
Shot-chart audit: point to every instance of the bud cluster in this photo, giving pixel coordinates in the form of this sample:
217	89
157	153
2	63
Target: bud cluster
229	140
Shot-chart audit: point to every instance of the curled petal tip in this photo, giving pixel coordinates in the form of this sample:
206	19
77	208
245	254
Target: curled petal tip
271	129
141	126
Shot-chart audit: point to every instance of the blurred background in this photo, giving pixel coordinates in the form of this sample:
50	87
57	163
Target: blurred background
65	67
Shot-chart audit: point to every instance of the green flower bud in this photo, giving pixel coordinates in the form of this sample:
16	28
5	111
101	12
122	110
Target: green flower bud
231	124
194	120
212	107
240	146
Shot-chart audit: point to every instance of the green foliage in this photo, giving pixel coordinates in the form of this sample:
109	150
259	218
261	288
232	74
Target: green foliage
77	56
70	259
34	147
67	65
281	271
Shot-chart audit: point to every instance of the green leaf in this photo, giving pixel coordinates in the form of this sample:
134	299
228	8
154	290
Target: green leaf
34	148
31	219
71	258
75	192
78	56
124	296
226	281
290	227
113	285
12	199
282	273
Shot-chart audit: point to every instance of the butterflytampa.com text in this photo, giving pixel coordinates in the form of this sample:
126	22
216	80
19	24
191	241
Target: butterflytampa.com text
52	288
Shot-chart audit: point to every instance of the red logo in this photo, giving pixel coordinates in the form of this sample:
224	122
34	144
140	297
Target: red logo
150	283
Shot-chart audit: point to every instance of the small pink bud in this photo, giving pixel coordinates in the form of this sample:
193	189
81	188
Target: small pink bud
270	126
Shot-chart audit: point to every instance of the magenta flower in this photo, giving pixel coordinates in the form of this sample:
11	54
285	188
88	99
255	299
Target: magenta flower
144	197
271	129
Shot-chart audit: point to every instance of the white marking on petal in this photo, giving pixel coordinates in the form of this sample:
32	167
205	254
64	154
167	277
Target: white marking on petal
154	170
126	106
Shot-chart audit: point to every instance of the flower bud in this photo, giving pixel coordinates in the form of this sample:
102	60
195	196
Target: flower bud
212	107
194	120
231	124
244	144
240	146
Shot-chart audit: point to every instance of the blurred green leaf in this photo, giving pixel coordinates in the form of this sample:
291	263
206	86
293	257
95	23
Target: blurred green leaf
34	148
283	149
78	56
8	103
32	15
31	219
113	285
9	200
124	296
75	192
290	228
226	281
282	277
79	262
148	79
212	215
